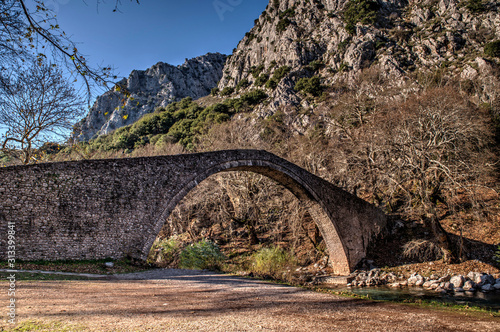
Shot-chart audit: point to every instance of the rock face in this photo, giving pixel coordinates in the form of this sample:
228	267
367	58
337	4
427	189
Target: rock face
311	38
155	87
407	40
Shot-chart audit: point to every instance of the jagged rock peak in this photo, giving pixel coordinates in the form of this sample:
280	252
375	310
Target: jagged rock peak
149	89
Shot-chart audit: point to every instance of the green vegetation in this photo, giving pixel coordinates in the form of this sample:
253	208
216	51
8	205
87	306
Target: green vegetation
262	79
32	325
250	36
310	85
242	84
179	122
284	20
202	255
419	302
4	159
315	65
283	24
271	261
475	6
164	251
227	91
42	276
290	12
277	77
492	49
255	71
214	91
82	266
360	11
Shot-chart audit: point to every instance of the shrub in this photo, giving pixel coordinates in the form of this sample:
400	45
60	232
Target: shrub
271	261
214	92
290	12
277	77
255	71
261	80
422	251
271	84
185	103
253	97
282	24
492	49
125	141
202	255
315	65
250	36
475	6
281	72
360	11
227	91
310	85
242	84
163	252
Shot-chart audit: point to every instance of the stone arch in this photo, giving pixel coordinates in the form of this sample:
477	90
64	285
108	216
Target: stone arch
115	208
287	178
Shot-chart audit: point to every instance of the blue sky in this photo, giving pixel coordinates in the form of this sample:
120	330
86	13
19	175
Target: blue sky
142	34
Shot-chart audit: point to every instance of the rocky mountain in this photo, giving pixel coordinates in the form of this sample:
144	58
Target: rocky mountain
326	41
145	90
335	39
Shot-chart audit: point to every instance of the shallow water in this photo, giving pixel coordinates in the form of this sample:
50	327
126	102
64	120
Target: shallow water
485	300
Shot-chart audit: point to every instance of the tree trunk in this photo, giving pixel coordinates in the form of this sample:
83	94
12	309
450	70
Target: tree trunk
441	237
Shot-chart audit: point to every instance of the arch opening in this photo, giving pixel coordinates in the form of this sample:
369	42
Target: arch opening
307	198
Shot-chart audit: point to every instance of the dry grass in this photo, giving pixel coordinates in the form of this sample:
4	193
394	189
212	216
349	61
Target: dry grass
422	251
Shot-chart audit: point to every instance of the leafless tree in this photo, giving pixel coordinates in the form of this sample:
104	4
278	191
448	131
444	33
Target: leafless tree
436	147
35	103
28	32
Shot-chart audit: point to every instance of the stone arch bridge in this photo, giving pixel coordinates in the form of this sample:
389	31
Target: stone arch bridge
96	209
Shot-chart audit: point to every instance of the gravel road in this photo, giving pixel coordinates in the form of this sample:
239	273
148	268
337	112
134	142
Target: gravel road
182	300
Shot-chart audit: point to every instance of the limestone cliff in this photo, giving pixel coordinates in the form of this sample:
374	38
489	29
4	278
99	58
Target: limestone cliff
322	38
148	89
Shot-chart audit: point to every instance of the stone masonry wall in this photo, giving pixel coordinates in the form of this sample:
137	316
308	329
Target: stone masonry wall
114	208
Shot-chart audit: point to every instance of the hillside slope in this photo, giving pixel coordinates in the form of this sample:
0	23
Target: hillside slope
337	38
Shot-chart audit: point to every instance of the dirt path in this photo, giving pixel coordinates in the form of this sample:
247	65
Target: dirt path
176	300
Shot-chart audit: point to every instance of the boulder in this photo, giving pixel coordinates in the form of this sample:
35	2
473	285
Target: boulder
448	286
469	285
457	281
416	280
440	290
487	288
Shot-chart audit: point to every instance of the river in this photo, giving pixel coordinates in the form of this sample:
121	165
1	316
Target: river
413	294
